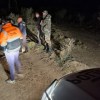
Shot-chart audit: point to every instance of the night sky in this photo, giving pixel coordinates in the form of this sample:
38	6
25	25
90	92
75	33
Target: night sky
81	5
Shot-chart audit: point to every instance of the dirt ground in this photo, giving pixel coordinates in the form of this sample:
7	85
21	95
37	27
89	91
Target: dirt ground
39	70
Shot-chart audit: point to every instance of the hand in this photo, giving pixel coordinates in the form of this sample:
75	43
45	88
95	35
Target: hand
41	22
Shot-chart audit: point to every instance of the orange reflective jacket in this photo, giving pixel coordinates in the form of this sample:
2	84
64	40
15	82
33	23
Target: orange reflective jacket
9	33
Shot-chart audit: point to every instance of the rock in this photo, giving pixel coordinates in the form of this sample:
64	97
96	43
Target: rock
66	51
59	62
31	45
69	45
63	54
52	56
79	44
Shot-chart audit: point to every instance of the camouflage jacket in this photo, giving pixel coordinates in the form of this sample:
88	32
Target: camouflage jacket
46	23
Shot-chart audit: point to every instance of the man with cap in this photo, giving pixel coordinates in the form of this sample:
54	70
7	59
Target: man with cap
22	27
46	29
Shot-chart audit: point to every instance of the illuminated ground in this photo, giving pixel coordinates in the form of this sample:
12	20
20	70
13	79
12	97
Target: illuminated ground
39	70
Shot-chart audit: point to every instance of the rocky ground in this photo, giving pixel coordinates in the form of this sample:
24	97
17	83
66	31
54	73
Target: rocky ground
40	70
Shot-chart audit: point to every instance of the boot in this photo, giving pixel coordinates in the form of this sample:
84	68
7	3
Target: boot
26	50
44	47
47	48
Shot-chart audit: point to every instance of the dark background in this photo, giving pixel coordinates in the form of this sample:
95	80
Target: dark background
75	5
88	8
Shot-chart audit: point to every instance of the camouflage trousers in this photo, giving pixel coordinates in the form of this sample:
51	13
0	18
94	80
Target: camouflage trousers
48	37
39	37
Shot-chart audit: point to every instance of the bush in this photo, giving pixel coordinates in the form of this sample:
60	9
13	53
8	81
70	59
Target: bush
27	14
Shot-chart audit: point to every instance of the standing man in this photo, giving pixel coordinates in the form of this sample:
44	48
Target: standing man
22	27
38	26
10	42
40	34
46	29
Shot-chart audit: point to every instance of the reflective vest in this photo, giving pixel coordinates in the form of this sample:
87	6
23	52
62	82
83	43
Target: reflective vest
10	37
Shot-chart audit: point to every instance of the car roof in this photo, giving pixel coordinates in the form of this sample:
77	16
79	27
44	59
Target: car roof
88	80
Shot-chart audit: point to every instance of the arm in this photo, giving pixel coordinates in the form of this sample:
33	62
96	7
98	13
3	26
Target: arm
21	27
46	21
3	40
43	23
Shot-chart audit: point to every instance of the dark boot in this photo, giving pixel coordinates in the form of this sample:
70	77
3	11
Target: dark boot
26	49
47	48
44	44
44	47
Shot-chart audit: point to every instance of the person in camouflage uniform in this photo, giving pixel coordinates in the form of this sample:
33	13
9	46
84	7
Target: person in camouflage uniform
46	29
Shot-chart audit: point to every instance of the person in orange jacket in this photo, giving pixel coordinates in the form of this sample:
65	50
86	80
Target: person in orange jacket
10	42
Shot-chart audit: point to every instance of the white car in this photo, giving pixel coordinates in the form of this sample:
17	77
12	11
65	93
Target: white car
83	85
